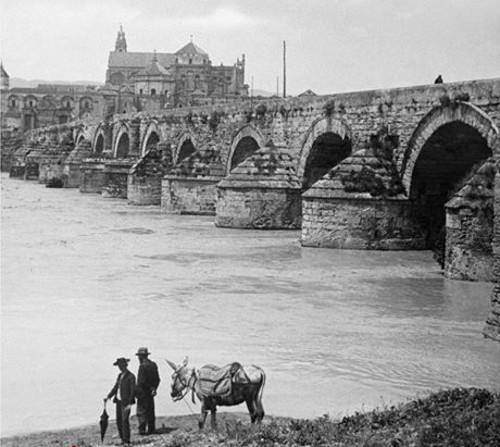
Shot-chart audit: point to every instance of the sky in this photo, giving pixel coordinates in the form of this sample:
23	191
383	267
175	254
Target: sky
331	45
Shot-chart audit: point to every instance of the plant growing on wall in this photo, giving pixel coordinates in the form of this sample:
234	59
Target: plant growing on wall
378	176
329	108
213	122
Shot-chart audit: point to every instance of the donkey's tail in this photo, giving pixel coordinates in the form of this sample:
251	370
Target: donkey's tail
258	400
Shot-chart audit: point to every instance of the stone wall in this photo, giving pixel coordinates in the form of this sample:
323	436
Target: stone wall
188	195
263	208
492	327
468	245
92	178
144	190
51	167
375	224
116	179
468	252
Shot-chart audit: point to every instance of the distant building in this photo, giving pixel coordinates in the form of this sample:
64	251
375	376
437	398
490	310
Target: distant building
134	82
24	109
184	78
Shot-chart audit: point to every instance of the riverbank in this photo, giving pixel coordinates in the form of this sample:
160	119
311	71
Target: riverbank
456	417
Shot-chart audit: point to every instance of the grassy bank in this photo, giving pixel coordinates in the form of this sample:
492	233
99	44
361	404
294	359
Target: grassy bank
457	417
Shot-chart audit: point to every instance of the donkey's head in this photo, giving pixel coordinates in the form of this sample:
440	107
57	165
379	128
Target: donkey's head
180	379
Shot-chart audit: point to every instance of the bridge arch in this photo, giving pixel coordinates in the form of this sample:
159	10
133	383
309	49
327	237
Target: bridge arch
121	145
98	141
442	151
246	141
79	137
326	144
461	112
151	137
185	147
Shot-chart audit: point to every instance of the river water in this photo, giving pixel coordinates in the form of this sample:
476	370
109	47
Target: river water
87	279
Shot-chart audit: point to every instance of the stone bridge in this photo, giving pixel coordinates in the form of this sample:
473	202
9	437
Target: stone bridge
405	168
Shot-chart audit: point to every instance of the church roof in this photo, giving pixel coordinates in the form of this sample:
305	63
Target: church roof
308	92
191	48
138	60
154	68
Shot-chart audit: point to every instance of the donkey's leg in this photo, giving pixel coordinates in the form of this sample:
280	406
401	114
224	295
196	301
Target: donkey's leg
213	415
259	410
251	409
203	417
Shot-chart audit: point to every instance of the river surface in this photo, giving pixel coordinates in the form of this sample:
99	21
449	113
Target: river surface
87	279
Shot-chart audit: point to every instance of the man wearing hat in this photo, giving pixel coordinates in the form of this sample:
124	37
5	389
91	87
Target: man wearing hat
147	384
124	397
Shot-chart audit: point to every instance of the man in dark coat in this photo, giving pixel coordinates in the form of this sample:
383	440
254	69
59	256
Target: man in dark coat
124	397
147	384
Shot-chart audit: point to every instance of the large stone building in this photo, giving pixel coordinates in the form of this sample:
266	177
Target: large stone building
161	80
134	82
24	109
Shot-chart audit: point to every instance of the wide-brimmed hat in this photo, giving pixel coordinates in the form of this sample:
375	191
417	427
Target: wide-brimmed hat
121	361
142	351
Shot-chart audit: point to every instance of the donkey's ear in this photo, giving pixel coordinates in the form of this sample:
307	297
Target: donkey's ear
172	365
185	362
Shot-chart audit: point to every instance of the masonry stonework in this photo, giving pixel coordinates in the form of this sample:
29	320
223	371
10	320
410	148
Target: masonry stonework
321	135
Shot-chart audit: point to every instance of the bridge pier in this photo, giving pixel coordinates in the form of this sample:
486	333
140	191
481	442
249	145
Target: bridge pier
72	174
18	162
116	179
360	204
92	176
145	176
469	228
32	166
51	168
262	192
492	326
187	195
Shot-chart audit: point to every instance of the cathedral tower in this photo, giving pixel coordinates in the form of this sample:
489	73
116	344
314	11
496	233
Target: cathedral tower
121	43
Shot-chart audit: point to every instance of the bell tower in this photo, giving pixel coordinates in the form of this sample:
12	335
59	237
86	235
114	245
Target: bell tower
121	43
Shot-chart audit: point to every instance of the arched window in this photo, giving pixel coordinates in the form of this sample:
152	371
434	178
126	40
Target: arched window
153	92
190	61
140	92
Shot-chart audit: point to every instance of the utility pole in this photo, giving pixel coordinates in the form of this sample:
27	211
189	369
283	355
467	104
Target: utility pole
284	69
251	94
278	86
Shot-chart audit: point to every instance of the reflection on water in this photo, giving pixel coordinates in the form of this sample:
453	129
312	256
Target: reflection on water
87	279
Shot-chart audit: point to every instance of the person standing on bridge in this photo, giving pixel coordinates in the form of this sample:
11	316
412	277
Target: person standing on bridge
148	380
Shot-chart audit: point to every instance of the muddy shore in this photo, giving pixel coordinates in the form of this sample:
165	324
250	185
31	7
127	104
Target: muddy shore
448	418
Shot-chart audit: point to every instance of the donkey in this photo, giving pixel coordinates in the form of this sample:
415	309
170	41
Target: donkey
242	384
